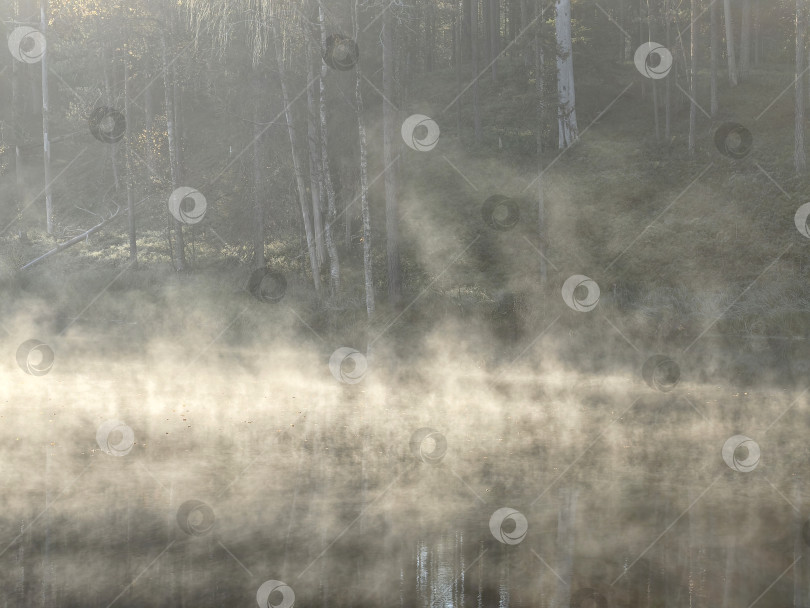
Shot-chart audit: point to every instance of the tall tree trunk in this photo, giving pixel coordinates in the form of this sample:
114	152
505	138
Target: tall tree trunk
651	36
692	78
668	81
466	28
108	98
46	145
474	43
732	64
391	202
299	177
539	71
258	189
567	116
745	39
314	156
799	158
728	586
331	248
16	118
179	253
364	210
757	36
715	54
494	34
566	528
798	547
133	245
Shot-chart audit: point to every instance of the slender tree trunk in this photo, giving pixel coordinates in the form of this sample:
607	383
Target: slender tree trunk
732	64
258	189
650	36
757	36
331	248
46	145
799	158
466	28
16	119
745	39
105	61
668	81
728	582
494	35
567	116
391	202
714	55
133	244
299	177
566	522
314	145
692	78
149	119
364	210
539	71
798	547
474	43
179	253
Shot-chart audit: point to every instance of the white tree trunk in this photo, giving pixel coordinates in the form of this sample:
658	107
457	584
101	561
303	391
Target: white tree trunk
692	79
567	116
314	145
389	140
799	158
714	54
732	64
46	145
745	38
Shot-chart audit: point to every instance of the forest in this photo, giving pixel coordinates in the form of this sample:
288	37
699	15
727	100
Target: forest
410	303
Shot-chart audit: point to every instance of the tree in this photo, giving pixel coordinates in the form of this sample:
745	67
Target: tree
714	54
732	64
389	141
799	158
566	114
692	77
46	142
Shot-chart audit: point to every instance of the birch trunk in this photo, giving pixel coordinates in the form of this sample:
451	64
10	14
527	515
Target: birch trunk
391	203
314	156
715	53
692	78
732	64
494	34
299	177
567	117
745	38
133	245
799	158
539	71
46	143
258	194
474	53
